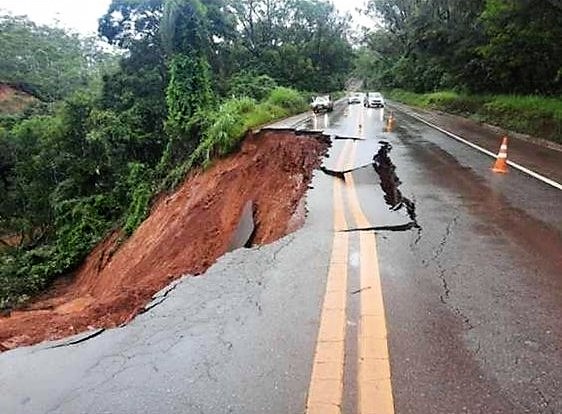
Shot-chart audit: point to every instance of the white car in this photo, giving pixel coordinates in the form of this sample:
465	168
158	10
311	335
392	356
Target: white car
374	100
353	99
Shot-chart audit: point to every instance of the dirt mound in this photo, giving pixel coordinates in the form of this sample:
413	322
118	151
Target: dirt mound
184	234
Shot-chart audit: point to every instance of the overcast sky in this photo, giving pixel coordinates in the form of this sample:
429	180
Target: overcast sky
79	15
83	15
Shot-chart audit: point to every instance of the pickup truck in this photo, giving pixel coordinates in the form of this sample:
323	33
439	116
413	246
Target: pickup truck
322	103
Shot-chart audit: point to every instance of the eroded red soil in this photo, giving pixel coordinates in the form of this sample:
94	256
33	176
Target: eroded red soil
184	234
13	100
6	91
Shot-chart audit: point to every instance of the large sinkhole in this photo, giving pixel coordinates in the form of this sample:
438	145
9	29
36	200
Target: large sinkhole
253	197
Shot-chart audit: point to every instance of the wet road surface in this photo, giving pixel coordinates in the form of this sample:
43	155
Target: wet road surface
473	299
470	265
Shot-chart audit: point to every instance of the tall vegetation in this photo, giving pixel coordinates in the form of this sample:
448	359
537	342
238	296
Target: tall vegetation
48	61
300	43
498	46
193	76
535	115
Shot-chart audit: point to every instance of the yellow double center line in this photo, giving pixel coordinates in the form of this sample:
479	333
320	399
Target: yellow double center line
373	369
326	383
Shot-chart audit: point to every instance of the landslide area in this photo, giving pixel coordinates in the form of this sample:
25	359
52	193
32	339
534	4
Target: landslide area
14	100
185	233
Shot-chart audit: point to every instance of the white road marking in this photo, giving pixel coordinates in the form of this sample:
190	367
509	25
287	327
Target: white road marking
519	167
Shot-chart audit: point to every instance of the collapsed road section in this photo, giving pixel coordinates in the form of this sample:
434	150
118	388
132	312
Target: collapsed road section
253	197
389	183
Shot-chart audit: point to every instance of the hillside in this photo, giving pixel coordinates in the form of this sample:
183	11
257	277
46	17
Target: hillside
14	100
260	188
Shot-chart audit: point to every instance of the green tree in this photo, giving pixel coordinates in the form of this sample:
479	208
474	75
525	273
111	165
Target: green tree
482	45
184	31
299	43
524	49
48	61
251	85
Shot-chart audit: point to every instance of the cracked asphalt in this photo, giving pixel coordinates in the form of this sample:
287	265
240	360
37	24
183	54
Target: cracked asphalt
473	298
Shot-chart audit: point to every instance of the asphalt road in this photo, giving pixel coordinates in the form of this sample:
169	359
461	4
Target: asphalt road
472	299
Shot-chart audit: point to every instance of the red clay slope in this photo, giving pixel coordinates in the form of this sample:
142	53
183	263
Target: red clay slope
12	100
185	233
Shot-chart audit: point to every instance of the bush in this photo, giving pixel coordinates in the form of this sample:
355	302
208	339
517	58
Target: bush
81	223
226	130
227	127
450	101
138	209
22	274
409	98
249	85
139	194
229	124
534	115
287	98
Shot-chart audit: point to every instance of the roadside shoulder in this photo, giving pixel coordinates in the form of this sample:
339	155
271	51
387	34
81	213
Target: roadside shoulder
539	155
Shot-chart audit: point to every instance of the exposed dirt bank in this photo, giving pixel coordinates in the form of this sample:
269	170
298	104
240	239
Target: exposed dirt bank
13	100
184	234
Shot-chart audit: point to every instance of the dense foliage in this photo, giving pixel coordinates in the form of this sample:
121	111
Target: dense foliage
47	61
534	115
193	77
498	46
300	43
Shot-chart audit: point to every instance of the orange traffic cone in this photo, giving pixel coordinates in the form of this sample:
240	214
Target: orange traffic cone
390	123
500	166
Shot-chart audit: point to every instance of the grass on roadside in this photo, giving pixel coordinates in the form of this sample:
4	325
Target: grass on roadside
534	115
231	121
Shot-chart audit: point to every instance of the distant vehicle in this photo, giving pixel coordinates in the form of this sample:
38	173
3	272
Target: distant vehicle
373	100
322	103
353	99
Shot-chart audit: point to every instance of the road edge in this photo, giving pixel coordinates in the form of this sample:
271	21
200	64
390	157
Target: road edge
515	165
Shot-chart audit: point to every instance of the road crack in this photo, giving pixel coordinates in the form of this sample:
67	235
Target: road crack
397	227
442	272
85	338
441	247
